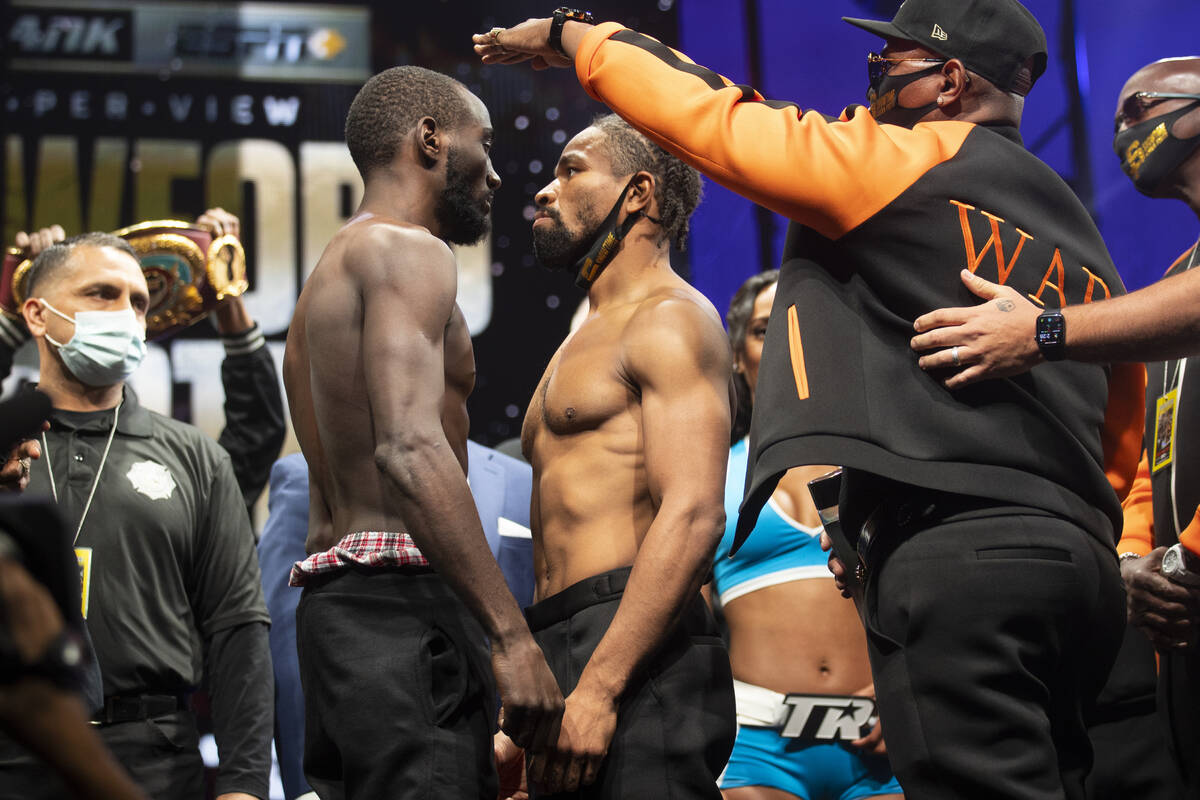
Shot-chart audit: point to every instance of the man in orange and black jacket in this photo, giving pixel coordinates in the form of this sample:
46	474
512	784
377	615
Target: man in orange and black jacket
993	601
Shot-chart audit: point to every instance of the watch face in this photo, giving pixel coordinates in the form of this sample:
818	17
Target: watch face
1050	329
1171	562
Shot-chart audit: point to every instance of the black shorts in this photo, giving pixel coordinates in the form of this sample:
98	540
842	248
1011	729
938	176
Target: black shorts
398	688
676	723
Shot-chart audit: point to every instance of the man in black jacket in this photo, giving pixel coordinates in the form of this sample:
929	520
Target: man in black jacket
993	602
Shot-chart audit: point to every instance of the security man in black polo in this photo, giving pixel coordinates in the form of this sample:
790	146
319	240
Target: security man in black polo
171	589
993	600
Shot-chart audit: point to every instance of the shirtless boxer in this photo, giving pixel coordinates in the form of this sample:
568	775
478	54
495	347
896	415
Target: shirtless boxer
399	699
628	434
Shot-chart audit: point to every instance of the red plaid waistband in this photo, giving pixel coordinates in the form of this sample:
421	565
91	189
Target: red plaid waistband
364	548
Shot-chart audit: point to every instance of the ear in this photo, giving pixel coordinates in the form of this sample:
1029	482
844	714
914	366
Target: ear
640	196
430	141
955	83
35	313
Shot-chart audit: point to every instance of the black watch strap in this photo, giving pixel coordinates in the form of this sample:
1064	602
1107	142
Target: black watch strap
559	19
1051	334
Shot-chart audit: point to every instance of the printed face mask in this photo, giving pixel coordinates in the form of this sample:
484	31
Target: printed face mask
886	109
1150	153
107	346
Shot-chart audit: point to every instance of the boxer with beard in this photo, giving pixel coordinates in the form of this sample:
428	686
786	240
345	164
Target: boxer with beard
628	436
400	587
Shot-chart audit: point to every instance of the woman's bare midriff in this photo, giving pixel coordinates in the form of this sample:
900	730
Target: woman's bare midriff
801	637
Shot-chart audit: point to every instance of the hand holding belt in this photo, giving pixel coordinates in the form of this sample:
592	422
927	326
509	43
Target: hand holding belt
188	272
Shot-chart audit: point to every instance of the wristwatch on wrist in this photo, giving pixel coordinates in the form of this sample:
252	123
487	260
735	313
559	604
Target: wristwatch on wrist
559	19
1180	566
1051	335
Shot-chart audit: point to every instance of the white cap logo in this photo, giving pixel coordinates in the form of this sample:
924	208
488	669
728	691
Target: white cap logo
938	33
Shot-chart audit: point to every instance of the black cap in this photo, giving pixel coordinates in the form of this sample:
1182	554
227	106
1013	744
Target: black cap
994	38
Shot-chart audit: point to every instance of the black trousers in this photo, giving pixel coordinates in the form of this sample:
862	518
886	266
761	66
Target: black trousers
676	723
398	689
160	754
1128	734
1179	703
989	638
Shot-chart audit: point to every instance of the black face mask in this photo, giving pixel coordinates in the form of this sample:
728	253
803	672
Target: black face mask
607	241
1150	153
886	109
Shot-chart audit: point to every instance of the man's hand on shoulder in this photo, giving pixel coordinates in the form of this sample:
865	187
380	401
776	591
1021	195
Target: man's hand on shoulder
992	340
531	705
588	725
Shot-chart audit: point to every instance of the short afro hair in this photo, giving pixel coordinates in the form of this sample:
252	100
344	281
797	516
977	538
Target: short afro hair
51	260
389	105
677	186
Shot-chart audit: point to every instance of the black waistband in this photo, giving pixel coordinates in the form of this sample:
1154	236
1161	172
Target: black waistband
128	709
905	508
588	592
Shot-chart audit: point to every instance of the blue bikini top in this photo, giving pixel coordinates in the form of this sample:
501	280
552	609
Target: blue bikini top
779	549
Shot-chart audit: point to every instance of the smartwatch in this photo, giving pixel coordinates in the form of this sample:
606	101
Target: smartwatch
559	19
1051	335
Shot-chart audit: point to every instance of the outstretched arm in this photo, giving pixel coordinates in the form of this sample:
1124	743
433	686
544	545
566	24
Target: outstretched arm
996	339
408	289
829	174
678	356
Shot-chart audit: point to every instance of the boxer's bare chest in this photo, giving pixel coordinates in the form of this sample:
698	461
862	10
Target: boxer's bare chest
584	387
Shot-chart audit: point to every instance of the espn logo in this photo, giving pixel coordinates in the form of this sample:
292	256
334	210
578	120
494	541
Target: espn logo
72	33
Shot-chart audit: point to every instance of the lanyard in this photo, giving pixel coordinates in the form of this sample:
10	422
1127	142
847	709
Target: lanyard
1179	367
103	459
1175	368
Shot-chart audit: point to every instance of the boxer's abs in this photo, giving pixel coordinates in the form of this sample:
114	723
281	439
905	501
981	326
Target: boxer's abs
591	508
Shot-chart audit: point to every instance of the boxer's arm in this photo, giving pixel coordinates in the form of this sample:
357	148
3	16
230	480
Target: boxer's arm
678	358
408	284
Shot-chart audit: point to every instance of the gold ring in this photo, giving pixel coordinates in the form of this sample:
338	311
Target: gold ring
495	34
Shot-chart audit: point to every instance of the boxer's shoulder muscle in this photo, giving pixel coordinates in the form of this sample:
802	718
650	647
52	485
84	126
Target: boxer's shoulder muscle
674	328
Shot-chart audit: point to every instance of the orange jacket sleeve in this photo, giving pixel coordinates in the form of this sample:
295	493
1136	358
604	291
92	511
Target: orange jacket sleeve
1124	424
1190	538
1138	533
829	174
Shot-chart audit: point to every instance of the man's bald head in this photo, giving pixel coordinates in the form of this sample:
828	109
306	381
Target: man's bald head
1170	75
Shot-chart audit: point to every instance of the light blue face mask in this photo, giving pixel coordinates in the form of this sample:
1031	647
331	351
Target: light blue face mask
107	346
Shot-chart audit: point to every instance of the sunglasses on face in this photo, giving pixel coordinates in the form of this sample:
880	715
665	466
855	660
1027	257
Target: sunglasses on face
1139	103
878	66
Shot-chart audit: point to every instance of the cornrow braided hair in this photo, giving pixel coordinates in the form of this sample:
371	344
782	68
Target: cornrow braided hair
677	186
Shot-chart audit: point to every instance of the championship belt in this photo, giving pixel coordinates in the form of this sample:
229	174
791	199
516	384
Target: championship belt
9	307
188	272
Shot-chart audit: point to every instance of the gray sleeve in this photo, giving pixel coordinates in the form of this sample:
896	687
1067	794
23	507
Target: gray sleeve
225	587
242	687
